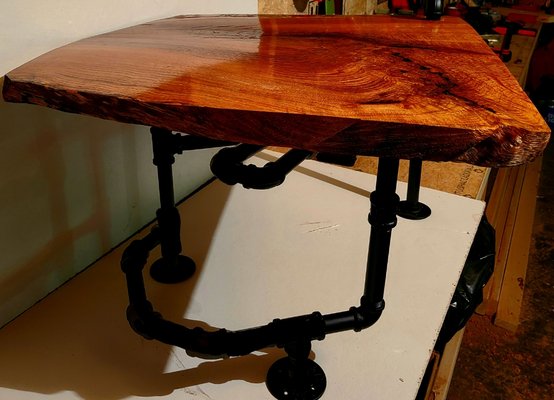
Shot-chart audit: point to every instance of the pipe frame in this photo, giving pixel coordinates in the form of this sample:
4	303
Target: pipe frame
222	343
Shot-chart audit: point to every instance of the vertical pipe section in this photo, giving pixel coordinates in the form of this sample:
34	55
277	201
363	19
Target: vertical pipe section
168	216
412	208
382	217
172	267
414	180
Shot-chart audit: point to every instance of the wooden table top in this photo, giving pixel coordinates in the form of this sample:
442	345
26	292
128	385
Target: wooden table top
371	85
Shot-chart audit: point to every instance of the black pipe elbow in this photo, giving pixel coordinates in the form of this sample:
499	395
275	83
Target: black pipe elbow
135	256
141	319
148	323
356	318
367	314
227	165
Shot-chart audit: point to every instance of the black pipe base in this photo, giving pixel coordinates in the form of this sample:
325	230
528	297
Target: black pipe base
286	380
161	271
413	210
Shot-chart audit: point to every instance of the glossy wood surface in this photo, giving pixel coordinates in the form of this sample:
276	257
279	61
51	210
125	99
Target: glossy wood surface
366	85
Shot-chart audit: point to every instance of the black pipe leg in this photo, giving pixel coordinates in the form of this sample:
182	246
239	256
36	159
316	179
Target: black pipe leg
382	218
296	377
412	208
172	267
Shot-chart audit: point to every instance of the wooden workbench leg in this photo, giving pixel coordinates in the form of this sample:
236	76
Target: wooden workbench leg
172	267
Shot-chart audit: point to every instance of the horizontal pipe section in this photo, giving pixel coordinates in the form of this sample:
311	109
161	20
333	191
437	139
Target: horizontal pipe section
228	166
223	343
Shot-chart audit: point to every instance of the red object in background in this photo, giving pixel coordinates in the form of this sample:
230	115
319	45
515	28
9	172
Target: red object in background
453	12
541	67
338	7
522	18
533	8
502	30
399	5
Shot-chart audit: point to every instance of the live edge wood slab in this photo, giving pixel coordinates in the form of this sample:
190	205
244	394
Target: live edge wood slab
367	85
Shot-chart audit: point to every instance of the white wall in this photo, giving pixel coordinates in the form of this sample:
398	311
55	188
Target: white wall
72	187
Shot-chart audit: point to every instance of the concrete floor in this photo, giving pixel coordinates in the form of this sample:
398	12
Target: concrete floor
496	364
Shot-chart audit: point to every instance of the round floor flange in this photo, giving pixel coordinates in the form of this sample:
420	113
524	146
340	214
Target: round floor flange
287	381
413	211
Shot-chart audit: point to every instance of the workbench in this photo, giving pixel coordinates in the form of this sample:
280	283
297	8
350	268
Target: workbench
259	255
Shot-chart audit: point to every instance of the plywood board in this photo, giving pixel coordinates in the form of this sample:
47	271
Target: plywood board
511	295
441	384
289	7
457	178
503	212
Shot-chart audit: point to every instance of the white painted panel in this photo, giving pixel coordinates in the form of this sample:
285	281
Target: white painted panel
72	187
261	254
29	28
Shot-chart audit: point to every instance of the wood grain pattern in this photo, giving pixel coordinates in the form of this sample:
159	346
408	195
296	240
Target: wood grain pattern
371	85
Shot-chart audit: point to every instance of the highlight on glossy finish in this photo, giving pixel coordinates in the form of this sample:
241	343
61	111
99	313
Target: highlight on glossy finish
371	85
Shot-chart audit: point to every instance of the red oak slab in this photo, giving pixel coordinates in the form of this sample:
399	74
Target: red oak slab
372	85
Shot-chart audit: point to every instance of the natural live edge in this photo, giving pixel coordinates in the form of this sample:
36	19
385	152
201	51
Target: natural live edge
384	86
223	343
495	147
